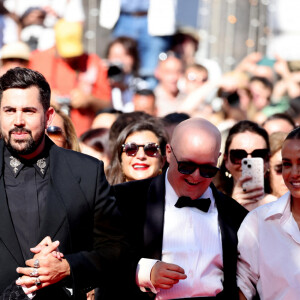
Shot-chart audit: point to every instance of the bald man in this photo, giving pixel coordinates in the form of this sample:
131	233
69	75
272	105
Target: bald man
183	228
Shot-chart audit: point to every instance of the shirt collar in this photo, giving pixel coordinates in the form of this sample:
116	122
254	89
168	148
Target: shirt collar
280	208
41	165
171	194
16	164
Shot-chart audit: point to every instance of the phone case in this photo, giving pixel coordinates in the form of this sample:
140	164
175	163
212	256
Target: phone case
253	166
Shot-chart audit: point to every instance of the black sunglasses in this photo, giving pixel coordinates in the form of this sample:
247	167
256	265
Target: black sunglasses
236	155
54	130
188	168
150	149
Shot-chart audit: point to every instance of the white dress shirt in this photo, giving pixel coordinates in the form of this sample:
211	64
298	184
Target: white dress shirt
269	252
192	240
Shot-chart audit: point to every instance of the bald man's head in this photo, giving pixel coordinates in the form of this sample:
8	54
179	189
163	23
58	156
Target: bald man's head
196	141
197	128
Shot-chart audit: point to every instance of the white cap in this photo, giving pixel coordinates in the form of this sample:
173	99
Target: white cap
15	50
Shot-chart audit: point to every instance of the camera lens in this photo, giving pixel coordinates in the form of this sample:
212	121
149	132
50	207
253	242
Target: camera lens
115	72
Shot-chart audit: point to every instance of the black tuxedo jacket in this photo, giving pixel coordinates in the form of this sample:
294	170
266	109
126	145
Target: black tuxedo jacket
143	202
80	212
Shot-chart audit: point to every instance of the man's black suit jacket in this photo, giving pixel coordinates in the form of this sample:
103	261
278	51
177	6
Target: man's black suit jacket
143	202
80	212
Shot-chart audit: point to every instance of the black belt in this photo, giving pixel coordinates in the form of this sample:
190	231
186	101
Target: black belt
135	14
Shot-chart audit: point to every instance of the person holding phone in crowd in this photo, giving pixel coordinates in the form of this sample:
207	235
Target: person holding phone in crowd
269	237
245	139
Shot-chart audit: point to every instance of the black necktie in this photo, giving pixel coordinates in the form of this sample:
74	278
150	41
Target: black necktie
202	204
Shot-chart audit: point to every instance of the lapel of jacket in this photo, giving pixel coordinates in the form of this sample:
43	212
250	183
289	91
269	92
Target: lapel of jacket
229	238
154	222
63	192
7	231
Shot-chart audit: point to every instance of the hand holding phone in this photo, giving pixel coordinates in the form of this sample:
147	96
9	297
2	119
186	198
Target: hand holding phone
253	167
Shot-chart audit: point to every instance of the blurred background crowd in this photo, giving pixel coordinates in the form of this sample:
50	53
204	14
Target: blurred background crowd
123	73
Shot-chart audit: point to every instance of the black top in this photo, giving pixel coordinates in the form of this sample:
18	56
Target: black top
26	184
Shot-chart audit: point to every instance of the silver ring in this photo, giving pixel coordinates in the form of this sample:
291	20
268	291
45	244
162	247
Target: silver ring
36	263
34	273
37	282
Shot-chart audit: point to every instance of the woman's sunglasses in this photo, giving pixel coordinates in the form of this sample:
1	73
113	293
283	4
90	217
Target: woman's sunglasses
56	133
150	149
236	155
54	130
188	168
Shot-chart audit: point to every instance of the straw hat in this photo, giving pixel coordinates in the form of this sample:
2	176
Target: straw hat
15	50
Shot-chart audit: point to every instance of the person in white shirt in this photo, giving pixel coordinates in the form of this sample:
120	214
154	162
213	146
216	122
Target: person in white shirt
269	238
183	252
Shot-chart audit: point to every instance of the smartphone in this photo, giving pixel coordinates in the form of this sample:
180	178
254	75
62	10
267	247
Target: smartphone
254	167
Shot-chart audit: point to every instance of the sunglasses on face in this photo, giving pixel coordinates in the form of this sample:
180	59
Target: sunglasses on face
236	155
188	168
54	130
150	149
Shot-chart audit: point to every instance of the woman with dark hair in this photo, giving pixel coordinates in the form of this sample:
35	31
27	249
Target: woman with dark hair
269	236
245	138
139	152
123	66
124	50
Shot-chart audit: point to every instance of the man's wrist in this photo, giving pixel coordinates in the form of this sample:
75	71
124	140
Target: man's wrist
67	267
143	272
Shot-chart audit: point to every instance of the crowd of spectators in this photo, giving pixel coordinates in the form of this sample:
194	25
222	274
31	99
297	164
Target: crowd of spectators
83	84
123	108
146	70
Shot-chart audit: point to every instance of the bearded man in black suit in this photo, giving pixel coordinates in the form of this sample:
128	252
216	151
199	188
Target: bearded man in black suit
184	230
47	191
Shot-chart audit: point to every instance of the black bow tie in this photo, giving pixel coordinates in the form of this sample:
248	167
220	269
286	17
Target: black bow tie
202	204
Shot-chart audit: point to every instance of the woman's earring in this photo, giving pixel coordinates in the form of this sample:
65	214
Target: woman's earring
227	174
159	171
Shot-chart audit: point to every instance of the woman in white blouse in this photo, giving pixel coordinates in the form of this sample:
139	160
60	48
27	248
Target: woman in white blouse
269	237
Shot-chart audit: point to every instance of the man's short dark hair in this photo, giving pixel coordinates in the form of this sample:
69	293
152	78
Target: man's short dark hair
22	78
145	92
264	81
280	116
175	118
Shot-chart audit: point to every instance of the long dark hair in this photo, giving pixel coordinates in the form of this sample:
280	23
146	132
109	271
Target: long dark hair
222	180
114	172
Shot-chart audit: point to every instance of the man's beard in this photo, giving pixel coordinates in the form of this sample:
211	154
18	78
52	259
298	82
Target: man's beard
30	145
